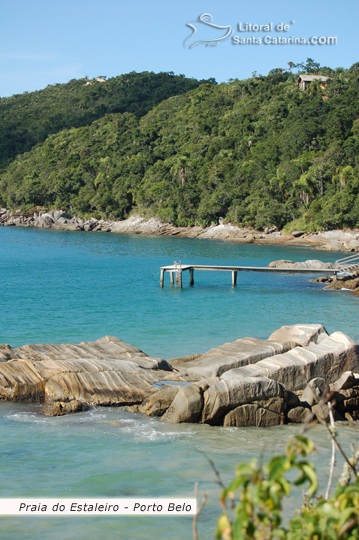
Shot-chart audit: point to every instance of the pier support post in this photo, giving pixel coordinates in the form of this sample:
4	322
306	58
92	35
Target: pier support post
191	279
179	278
234	278
162	278
171	276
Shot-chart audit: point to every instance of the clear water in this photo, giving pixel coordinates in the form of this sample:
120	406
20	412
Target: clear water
71	287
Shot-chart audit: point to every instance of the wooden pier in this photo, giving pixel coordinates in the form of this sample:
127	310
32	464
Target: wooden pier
176	270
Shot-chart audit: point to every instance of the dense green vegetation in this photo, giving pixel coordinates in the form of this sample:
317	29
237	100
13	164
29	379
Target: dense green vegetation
27	119
259	152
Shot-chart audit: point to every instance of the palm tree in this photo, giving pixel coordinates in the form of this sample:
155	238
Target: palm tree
182	163
306	185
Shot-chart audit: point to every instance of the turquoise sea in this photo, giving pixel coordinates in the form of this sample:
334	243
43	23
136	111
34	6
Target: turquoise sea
71	287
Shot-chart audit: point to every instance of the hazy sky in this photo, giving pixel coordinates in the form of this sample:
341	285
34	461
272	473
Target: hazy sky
50	41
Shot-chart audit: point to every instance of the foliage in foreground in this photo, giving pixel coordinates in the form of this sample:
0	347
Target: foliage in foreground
255	498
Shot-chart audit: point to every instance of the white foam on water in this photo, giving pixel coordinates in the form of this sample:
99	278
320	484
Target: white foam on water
29	418
149	429
97	416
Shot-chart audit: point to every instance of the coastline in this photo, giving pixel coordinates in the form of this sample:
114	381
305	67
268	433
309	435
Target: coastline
336	240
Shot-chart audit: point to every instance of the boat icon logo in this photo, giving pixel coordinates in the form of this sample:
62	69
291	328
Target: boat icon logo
205	21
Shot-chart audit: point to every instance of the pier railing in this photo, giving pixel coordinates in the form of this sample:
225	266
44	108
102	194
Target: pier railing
348	263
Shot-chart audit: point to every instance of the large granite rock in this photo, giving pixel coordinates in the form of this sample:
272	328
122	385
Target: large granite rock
314	391
312	264
252	416
158	403
188	404
299	415
138	224
265	413
294	369
105	372
45	221
235	390
347	380
299	334
59	214
186	407
232	355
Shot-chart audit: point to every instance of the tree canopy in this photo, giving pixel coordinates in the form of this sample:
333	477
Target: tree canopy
258	152
29	118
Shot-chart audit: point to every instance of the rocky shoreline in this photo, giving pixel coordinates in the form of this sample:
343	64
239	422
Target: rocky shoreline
347	280
338	240
249	382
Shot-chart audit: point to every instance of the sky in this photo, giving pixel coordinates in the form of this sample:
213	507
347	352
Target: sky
45	42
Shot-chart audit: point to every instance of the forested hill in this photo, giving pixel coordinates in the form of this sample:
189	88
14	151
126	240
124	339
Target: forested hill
259	152
27	119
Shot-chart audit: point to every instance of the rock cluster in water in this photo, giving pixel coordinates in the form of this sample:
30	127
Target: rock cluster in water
347	281
57	219
249	382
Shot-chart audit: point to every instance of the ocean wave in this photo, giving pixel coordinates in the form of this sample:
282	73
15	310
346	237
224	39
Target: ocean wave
31	418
